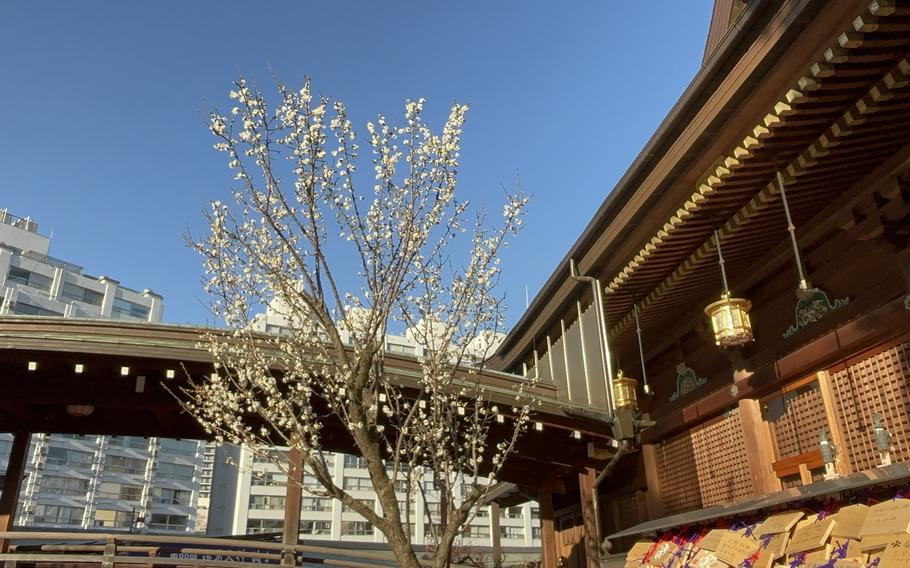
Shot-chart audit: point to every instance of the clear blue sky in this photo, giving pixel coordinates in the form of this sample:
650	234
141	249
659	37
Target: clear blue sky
102	104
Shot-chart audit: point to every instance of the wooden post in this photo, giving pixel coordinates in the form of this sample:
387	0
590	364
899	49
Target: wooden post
291	529
494	532
547	528
837	435
759	451
588	516
11	484
652	477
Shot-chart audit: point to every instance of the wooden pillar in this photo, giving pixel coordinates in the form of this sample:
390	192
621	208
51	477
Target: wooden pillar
652	477
547	528
589	517
759	451
11	484
291	529
494	532
837	435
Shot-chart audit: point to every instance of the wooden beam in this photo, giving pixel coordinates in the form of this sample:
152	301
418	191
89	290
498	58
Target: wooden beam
591	539
759	451
837	434
12	483
495	533
652	477
547	528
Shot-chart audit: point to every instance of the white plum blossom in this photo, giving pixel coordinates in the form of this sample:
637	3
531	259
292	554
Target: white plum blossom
299	212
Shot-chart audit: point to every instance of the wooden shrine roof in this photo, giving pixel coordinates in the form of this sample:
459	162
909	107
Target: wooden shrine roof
827	102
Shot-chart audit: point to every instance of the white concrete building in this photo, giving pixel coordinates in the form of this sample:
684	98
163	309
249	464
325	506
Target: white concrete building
34	283
104	482
248	496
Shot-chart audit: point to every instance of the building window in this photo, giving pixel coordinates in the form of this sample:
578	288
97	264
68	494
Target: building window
80	294
535	533
535	512
120	491
114	519
174	471
168	522
26	309
58	515
267	502
268	479
512	532
483	512
256	526
316	527
403	349
477	531
167	496
354	462
511	512
70	458
28	278
357	484
63	485
123	464
356	528
315	504
180	448
121	309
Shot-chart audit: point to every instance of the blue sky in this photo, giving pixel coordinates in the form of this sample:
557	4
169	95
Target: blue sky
102	107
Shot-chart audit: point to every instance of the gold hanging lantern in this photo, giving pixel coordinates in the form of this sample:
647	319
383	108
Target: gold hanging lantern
624	394
730	320
729	316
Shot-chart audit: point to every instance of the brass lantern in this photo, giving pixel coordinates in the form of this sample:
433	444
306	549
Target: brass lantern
624	395
729	316
730	320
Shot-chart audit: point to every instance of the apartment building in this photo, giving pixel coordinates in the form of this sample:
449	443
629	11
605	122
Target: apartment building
248	497
105	482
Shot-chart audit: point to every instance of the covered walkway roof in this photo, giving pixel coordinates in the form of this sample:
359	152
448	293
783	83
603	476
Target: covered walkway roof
127	373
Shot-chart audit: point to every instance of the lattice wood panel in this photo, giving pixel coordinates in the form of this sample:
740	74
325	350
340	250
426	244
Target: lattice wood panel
876	384
795	419
629	513
716	453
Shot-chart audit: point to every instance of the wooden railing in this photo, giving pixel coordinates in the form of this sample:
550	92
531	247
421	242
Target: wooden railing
112	550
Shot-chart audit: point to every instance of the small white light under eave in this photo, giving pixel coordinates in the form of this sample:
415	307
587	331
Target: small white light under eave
33	365
500	418
124	371
576	435
169	374
538	426
79	368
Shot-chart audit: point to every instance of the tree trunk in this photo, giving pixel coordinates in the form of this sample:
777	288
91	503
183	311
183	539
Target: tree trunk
402	550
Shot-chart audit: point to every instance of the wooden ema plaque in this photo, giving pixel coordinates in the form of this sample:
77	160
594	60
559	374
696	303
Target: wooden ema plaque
811	537
779	523
888	517
712	539
896	554
875	543
662	553
734	547
777	546
707	559
849	521
638	551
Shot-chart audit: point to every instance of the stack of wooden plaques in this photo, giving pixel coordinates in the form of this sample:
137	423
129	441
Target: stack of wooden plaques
854	536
